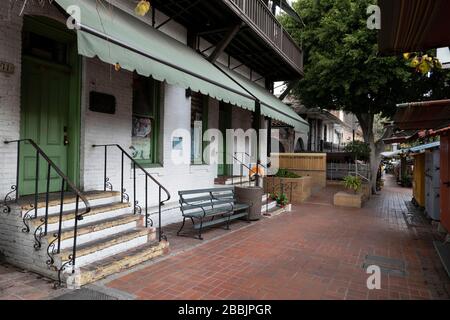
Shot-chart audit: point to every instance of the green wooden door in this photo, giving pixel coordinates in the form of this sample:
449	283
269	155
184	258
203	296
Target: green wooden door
44	118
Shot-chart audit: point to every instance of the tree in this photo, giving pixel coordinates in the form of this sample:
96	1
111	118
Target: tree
344	71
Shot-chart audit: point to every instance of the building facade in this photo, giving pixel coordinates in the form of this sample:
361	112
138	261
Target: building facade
137	105
329	131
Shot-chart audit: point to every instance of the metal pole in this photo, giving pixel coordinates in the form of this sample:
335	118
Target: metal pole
36	185
257	126
104	171
17	172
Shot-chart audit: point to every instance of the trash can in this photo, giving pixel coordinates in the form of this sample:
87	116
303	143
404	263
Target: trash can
250	195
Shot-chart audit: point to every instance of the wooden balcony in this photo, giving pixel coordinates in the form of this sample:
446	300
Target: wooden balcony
261	44
259	17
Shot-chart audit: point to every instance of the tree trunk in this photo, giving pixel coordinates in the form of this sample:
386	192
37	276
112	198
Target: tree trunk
366	121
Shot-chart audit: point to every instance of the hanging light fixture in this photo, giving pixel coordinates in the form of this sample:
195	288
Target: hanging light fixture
142	8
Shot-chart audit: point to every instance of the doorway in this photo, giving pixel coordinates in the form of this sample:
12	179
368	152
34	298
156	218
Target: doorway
50	104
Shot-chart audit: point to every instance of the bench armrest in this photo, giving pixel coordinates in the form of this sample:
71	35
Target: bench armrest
193	206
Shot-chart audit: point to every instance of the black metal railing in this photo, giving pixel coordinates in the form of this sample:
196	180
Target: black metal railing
231	160
124	196
54	245
273	189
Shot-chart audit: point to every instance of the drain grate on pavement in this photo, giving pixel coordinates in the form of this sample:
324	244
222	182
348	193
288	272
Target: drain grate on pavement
85	294
389	266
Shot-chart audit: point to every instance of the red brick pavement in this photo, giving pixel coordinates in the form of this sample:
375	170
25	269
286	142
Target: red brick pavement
315	252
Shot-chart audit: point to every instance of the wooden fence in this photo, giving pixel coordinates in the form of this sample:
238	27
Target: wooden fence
313	165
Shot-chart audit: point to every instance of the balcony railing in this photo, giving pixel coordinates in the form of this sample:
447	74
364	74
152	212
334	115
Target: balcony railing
263	19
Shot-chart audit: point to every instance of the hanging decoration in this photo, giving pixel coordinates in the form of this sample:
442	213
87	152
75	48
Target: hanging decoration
142	8
422	63
117	66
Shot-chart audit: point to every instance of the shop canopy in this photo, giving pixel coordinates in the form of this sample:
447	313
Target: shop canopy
117	37
271	106
413	25
423	115
412	150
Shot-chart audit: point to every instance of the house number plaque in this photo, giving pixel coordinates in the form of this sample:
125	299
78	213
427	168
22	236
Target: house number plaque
6	67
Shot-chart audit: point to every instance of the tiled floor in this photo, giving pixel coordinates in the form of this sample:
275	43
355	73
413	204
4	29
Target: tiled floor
315	252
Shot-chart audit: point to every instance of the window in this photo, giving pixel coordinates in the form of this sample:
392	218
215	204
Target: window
41	47
199	123
145	120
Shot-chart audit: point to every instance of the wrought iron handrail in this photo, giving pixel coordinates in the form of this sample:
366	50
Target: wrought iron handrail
54	246
125	196
242	166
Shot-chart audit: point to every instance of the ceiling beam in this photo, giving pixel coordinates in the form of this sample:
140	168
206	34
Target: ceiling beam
221	46
290	85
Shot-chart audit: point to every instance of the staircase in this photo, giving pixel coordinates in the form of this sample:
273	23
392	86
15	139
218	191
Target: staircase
110	238
78	238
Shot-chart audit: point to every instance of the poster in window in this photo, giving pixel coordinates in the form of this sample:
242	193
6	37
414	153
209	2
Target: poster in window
141	138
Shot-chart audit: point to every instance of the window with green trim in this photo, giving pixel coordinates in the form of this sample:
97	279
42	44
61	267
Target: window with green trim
145	120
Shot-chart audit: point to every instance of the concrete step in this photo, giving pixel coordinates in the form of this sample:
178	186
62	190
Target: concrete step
97	213
95	198
101	269
267	206
274	212
98	230
103	248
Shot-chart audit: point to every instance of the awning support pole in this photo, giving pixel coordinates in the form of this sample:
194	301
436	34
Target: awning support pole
257	127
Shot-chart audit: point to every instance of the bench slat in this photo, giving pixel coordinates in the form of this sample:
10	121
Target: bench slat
221	220
221	189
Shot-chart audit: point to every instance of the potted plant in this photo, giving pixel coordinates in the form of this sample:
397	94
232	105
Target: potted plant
353	183
282	200
286	181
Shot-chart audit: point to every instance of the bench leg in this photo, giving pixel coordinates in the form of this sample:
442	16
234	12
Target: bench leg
182	226
228	221
200	230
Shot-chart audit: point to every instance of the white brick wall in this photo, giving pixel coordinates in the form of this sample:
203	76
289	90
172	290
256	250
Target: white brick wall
10	51
17	247
102	128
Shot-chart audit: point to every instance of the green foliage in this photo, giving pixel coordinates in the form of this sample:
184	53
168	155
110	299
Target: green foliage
284	173
342	66
352	183
360	149
282	199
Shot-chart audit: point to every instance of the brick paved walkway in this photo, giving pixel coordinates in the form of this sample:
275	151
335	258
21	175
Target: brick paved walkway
315	252
16	284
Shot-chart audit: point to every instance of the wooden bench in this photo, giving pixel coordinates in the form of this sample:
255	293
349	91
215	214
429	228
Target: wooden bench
211	207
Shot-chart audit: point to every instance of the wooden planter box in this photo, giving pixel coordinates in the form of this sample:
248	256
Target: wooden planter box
349	200
301	187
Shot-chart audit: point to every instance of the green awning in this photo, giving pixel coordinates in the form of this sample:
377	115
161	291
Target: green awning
271	106
115	36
